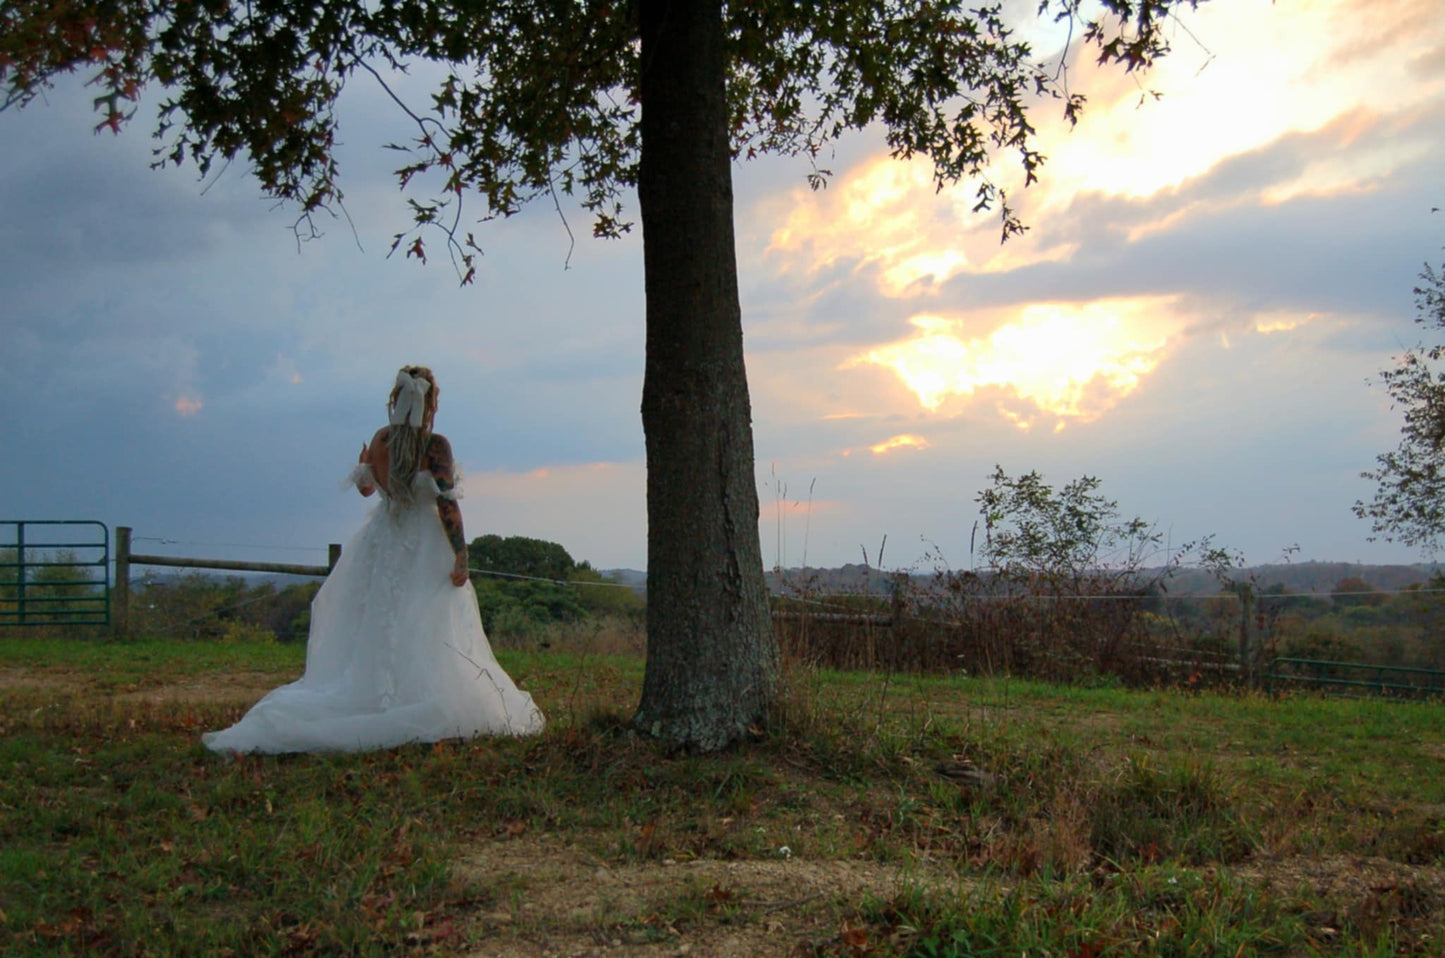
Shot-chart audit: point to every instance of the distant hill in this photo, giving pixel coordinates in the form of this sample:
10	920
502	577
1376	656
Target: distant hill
637	580
851	578
1306	577
1299	577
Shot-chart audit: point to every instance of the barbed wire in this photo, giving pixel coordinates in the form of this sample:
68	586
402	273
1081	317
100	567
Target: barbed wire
790	592
214	613
537	578
225	545
1131	596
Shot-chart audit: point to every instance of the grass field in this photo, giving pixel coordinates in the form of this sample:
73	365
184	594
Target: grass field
879	815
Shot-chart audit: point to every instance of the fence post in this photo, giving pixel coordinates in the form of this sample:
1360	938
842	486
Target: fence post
120	595
1248	666
333	555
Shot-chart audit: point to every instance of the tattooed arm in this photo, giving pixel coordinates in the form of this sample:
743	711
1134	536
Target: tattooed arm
439	463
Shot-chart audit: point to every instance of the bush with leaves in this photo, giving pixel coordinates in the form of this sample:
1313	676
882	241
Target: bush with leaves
1067	587
200	606
531	584
1409	503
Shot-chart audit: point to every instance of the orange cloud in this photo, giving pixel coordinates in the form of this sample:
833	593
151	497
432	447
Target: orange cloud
1240	79
889	215
904	441
1071	361
188	405
878	212
1267	323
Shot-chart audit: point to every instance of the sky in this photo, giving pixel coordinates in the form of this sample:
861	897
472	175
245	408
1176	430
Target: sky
1211	279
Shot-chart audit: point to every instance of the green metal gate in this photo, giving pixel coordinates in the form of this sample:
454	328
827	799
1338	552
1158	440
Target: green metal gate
54	572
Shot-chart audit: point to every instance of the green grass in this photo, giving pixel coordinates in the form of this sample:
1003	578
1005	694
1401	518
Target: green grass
115	665
1107	821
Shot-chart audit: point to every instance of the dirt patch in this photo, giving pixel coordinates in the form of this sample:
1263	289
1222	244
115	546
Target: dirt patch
237	688
21	679
548	899
1340	877
221	689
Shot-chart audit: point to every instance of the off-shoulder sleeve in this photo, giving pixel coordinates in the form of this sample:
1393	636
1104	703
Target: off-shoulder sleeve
429	485
360	475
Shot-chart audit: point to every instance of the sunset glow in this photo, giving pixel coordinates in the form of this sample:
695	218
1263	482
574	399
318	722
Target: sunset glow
1229	89
1240	80
872	214
1210	283
905	441
1267	323
1071	362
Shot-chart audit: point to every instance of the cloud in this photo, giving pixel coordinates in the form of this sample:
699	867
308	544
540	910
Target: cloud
1241	248
1067	361
1236	80
1208	281
115	211
903	441
1257	265
188	405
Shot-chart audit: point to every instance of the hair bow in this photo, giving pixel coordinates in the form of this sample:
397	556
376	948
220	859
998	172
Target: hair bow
410	405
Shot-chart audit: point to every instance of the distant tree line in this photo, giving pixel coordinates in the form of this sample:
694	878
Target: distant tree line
535	585
532	589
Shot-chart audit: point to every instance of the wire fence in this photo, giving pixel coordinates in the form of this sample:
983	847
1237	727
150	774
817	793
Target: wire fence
1098	631
1110	632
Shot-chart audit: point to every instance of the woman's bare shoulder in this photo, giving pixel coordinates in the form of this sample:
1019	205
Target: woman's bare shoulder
378	441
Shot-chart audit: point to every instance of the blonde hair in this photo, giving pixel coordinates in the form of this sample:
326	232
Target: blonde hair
406	444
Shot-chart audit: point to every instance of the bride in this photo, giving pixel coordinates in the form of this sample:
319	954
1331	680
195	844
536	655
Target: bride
396	652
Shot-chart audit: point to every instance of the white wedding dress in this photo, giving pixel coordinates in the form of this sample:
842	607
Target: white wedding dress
396	653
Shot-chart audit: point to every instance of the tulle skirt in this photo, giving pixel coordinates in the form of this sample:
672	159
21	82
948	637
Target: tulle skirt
396	653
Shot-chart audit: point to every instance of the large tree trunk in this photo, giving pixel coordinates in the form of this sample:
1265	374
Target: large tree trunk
712	661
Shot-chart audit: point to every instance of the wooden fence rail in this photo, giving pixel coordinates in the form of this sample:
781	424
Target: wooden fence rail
124	559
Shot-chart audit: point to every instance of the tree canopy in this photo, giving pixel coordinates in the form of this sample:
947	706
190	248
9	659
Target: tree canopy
522	555
594	98
544	97
1034	531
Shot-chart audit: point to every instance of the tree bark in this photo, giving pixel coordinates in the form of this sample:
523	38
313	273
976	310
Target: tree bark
712	660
